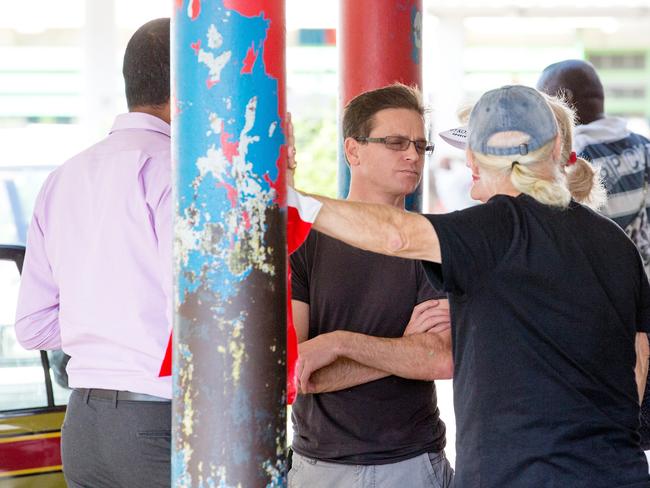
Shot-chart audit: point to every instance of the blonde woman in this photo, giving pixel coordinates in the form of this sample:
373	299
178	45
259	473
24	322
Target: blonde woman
546	298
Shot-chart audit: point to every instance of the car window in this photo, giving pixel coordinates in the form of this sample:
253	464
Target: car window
19	186
22	381
8	227
23	376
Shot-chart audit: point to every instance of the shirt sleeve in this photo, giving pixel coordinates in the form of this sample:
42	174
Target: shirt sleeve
472	243
163	227
37	312
425	290
159	200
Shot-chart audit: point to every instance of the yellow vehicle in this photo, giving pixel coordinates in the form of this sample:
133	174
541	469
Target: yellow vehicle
33	395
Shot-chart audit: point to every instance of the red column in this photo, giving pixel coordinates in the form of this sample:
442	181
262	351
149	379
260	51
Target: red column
380	43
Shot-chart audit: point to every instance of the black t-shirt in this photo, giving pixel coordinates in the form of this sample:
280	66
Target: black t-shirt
545	306
382	421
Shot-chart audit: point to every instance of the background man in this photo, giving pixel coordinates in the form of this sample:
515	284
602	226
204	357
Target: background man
622	155
371	414
97	283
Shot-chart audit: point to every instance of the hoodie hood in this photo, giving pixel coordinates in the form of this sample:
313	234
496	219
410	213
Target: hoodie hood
609	129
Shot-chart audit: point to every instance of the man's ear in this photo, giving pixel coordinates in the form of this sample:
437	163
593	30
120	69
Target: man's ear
351	147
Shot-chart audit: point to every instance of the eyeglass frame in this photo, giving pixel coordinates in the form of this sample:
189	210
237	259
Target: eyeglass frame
428	149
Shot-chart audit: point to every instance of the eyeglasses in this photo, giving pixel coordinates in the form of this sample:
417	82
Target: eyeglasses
399	143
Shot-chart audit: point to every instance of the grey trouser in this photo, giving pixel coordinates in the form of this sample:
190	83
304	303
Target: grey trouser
425	470
112	443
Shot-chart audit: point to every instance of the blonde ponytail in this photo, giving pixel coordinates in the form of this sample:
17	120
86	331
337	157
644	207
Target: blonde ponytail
583	180
528	180
585	184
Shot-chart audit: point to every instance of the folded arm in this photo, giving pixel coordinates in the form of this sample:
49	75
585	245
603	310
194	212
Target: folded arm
342	359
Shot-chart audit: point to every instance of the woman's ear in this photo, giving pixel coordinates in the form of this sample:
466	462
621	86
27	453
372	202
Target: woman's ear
351	147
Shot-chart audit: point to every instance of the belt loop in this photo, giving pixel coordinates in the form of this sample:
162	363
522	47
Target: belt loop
87	395
115	393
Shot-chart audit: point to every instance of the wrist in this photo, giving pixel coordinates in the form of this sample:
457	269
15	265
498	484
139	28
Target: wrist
339	342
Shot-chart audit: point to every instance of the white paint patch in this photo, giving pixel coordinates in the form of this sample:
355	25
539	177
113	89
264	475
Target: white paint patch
215	39
215	65
214	162
186	239
272	128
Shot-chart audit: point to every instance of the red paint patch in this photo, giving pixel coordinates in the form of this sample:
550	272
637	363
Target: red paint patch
179	4
245	7
231	192
195	9
249	61
280	193
247	220
196	46
210	83
279	185
230	149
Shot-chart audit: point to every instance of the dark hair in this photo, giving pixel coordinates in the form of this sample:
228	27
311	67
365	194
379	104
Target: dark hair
358	115
146	65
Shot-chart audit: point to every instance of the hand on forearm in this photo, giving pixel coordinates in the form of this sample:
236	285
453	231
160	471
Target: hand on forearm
313	355
429	316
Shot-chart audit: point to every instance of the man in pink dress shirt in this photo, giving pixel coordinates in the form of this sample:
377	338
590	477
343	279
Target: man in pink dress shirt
97	282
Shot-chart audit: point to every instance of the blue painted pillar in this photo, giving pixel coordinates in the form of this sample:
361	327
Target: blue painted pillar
228	72
380	42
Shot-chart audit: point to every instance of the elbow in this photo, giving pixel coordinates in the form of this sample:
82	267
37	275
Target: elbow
447	370
25	340
395	240
31	339
443	369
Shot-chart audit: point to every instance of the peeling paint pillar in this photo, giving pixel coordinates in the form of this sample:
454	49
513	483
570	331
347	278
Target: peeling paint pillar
228	96
380	42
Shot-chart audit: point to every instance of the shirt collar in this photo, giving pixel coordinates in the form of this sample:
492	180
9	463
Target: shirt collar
140	120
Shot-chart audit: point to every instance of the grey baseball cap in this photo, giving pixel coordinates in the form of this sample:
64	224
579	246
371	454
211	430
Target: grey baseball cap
511	108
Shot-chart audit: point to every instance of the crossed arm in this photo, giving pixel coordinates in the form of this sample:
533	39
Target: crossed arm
343	359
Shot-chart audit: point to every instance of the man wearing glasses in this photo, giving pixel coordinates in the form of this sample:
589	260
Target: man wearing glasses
371	417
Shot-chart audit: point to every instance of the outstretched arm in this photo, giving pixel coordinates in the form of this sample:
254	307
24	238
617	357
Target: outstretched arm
378	228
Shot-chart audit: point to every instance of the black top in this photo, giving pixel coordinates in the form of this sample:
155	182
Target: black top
382	421
545	306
